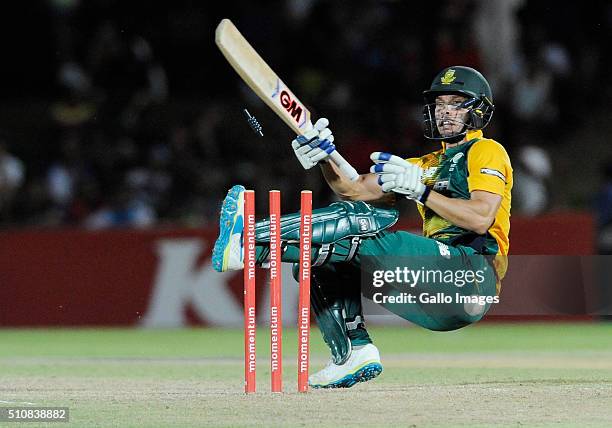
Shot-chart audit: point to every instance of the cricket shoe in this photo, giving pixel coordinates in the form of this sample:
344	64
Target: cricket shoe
228	253
363	365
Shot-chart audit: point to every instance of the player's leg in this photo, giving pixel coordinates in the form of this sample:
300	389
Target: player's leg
444	270
336	303
354	232
336	232
335	294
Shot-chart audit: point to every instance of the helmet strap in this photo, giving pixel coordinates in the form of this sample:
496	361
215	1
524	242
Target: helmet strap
455	138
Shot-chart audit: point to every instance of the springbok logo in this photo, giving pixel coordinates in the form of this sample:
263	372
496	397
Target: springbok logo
449	77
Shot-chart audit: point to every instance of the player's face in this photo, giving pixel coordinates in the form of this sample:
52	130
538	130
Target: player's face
450	118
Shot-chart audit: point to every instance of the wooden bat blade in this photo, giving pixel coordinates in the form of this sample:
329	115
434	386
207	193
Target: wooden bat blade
261	78
268	86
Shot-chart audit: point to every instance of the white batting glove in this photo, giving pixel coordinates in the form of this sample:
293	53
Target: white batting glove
400	176
315	145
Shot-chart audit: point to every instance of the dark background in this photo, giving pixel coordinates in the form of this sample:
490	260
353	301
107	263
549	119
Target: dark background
125	114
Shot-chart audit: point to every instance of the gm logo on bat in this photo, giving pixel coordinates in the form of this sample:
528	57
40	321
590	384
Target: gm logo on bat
298	112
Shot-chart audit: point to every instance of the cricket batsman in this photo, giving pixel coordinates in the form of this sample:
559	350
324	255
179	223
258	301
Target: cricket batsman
463	193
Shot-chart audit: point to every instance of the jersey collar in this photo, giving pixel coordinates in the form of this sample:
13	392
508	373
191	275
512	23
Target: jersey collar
476	133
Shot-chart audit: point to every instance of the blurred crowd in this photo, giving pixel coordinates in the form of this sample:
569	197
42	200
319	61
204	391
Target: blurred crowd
135	118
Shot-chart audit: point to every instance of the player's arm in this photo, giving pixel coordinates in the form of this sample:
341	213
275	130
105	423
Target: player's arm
365	188
476	214
488	166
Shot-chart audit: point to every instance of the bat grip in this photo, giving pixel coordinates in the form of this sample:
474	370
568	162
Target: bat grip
344	166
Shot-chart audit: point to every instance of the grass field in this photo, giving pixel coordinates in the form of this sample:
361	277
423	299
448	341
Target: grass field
486	375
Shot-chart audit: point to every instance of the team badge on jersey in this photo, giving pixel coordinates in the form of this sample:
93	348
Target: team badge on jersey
454	161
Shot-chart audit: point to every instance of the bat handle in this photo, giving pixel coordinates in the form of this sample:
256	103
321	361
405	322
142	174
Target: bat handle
344	166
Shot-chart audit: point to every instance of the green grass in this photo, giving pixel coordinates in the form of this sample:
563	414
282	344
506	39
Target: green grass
216	342
488	374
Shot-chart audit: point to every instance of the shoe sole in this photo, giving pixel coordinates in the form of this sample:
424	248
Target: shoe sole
230	213
363	374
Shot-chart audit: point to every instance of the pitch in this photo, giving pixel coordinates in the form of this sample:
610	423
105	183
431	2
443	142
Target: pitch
490	374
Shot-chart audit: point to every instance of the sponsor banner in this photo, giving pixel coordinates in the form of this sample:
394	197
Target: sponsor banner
164	278
114	278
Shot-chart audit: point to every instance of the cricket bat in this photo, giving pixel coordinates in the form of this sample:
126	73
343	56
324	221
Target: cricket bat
268	86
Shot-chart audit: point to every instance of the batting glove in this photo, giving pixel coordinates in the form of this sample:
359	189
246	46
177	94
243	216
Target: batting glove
315	145
400	176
